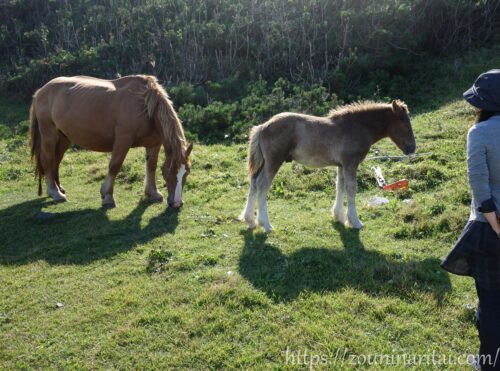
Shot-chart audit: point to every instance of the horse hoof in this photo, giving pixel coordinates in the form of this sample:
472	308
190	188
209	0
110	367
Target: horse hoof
268	228
339	219
356	225
251	225
108	202
156	198
108	206
59	199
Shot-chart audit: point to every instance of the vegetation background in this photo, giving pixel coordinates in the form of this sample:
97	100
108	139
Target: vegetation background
144	287
230	64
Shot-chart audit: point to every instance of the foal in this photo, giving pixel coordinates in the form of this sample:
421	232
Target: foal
342	139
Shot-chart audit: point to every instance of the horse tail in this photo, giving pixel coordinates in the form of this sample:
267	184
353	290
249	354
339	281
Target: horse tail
255	156
160	108
36	146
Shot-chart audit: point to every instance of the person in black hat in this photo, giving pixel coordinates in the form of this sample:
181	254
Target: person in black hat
477	250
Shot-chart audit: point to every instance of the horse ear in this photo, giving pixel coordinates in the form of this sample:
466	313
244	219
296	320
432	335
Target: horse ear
395	106
398	106
188	150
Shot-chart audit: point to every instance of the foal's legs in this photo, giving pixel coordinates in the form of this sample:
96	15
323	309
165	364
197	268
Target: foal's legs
351	184
62	146
263	183
338	206
49	140
120	150
150	182
248	214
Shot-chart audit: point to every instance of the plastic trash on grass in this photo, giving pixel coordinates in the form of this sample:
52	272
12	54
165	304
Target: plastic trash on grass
400	184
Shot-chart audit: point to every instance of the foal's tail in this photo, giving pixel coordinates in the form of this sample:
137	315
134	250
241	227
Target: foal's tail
35	146
255	157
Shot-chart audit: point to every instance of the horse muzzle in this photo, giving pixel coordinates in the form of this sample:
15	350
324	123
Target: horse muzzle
409	149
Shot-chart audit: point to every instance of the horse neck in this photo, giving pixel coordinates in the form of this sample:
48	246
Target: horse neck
377	123
174	140
175	147
159	106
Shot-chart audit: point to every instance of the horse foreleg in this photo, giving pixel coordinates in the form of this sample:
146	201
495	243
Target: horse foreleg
62	146
150	188
351	184
338	207
118	155
248	214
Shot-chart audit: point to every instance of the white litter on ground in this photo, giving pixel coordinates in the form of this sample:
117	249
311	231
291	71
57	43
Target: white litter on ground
378	201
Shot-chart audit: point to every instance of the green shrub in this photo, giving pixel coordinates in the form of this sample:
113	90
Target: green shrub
231	121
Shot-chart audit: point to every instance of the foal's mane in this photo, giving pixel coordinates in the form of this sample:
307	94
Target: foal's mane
363	107
159	106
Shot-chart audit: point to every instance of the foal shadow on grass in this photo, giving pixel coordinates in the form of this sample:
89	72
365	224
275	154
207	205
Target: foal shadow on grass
315	269
74	237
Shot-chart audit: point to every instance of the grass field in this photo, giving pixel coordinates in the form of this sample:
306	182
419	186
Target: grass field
145	287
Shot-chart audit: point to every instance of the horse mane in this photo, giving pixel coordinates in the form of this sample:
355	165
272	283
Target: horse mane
159	107
364	106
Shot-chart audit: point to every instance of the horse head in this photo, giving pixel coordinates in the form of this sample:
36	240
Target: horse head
400	130
175	174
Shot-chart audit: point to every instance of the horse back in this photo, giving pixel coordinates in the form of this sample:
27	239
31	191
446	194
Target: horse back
91	111
313	141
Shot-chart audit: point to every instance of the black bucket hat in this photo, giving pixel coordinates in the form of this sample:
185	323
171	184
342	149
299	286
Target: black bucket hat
485	93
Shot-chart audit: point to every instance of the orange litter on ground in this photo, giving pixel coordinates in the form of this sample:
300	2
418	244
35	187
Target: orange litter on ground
399	185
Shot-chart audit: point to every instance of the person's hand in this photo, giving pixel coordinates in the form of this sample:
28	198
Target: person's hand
492	218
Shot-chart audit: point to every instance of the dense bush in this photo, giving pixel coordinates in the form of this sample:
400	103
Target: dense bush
231	64
231	121
343	45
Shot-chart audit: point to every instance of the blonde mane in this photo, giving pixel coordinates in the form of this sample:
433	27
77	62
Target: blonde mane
363	106
159	106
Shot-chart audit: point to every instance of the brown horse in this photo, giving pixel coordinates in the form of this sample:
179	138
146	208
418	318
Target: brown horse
108	116
342	139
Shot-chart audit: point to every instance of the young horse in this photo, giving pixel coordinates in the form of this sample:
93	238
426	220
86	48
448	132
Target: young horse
343	139
108	116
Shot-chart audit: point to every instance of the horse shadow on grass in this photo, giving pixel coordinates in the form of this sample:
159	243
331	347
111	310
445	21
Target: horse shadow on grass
74	237
283	277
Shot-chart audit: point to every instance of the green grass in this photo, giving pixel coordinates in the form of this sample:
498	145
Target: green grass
145	287
142	286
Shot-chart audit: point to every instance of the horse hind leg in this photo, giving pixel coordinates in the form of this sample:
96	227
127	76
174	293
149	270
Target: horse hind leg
150	188
350	183
338	207
49	139
120	150
61	147
263	183
248	214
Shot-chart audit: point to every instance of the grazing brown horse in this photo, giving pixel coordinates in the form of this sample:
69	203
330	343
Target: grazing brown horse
342	139
108	116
